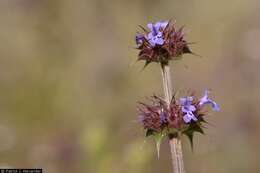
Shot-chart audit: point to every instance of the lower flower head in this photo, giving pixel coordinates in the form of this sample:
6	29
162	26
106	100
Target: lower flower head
158	116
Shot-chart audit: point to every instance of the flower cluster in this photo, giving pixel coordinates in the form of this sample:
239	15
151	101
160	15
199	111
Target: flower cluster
179	115
161	42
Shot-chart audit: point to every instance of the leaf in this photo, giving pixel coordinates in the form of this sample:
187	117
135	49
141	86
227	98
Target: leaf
186	49
197	128
146	64
149	132
189	134
158	139
194	127
158	136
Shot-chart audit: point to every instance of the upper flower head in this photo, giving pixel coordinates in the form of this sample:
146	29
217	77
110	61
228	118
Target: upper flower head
161	42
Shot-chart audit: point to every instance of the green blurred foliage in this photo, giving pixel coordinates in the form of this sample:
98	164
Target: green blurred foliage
69	84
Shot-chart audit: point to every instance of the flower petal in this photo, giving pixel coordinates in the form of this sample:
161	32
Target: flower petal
159	41
150	26
184	109
192	108
139	39
157	26
214	106
205	100
182	100
186	118
162	117
194	118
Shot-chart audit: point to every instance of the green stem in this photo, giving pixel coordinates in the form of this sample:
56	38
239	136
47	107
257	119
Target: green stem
175	142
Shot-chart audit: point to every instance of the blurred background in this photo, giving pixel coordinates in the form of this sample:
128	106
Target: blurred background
69	84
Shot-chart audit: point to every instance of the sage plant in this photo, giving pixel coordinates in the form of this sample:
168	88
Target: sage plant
171	117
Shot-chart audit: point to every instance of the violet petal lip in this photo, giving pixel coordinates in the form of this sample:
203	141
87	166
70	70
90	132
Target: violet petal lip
188	117
155	37
139	39
206	101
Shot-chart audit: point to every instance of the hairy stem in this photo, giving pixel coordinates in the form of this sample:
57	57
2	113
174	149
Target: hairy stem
175	142
177	157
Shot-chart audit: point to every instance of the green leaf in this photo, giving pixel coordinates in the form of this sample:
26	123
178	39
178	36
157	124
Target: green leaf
197	128
189	134
146	64
158	139
149	132
193	127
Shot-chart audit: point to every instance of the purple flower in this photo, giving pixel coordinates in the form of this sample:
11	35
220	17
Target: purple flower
163	117
155	37
186	104
141	118
188	109
155	28
205	100
188	117
139	39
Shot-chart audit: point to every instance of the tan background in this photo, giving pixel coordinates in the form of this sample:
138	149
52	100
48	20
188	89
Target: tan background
69	84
